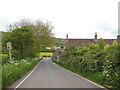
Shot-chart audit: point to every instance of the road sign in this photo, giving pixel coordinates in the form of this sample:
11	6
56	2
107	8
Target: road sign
9	45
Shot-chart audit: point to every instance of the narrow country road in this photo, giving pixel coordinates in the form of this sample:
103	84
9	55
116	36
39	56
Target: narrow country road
47	74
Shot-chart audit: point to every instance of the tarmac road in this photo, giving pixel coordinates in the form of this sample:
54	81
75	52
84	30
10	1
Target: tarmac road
47	74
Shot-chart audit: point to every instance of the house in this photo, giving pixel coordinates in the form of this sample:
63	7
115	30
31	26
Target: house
81	41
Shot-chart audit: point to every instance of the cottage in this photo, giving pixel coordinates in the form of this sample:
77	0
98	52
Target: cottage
85	41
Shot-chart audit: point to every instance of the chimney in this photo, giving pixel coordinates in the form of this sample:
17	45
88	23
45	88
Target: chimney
95	35
67	36
118	38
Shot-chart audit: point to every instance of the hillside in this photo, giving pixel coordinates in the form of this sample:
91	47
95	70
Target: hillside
59	42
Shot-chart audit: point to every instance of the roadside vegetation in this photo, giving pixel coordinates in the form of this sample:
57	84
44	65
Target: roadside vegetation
59	42
28	39
98	62
15	69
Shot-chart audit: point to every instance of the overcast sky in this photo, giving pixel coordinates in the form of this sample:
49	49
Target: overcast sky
78	18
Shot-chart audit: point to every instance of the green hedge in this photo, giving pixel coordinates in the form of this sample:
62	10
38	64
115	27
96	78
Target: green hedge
98	62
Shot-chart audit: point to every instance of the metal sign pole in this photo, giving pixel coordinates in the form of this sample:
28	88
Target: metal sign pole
10	54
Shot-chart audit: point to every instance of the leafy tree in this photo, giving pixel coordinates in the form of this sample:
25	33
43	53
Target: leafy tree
22	40
4	36
59	42
101	43
43	34
19	24
42	31
27	37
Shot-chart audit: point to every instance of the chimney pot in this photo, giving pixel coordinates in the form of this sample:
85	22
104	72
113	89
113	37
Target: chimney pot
67	36
118	38
95	35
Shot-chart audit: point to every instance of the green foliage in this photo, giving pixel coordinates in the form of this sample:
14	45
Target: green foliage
101	43
99	59
43	49
22	40
112	66
3	42
27	37
59	42
4	58
15	69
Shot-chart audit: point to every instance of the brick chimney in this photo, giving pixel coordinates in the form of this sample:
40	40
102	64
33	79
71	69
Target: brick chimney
118	38
96	35
67	36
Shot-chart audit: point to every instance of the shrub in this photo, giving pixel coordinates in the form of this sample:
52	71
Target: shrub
15	69
99	59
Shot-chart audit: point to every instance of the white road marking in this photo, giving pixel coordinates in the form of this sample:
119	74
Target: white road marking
64	69
82	77
26	76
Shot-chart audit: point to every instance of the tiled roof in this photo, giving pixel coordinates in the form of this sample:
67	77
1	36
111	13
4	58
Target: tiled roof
83	41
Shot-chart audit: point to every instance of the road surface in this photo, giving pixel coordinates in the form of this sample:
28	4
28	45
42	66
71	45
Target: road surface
47	74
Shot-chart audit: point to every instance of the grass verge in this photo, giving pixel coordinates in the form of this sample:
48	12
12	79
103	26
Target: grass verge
16	69
95	77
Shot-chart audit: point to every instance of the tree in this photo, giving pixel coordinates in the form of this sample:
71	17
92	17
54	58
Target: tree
27	36
19	24
4	36
43	31
101	43
22	40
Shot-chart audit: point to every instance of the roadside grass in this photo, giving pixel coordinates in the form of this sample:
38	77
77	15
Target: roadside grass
45	54
0	78
4	58
4	55
15	69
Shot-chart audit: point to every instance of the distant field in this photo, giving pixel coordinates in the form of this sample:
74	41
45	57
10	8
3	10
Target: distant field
45	54
4	55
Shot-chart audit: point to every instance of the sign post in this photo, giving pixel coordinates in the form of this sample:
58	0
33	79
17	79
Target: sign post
9	49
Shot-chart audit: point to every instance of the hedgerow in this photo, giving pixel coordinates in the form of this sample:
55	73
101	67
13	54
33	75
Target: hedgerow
100	60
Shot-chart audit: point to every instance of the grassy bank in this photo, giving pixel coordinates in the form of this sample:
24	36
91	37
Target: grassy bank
4	58
0	78
98	62
95	77
16	69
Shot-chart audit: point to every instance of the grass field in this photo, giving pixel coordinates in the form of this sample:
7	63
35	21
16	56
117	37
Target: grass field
49	54
4	58
4	55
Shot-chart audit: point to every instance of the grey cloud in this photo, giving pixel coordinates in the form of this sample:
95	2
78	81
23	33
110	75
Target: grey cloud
105	27
4	22
114	33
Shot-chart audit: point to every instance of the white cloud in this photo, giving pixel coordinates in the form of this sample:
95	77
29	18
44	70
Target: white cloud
79	18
